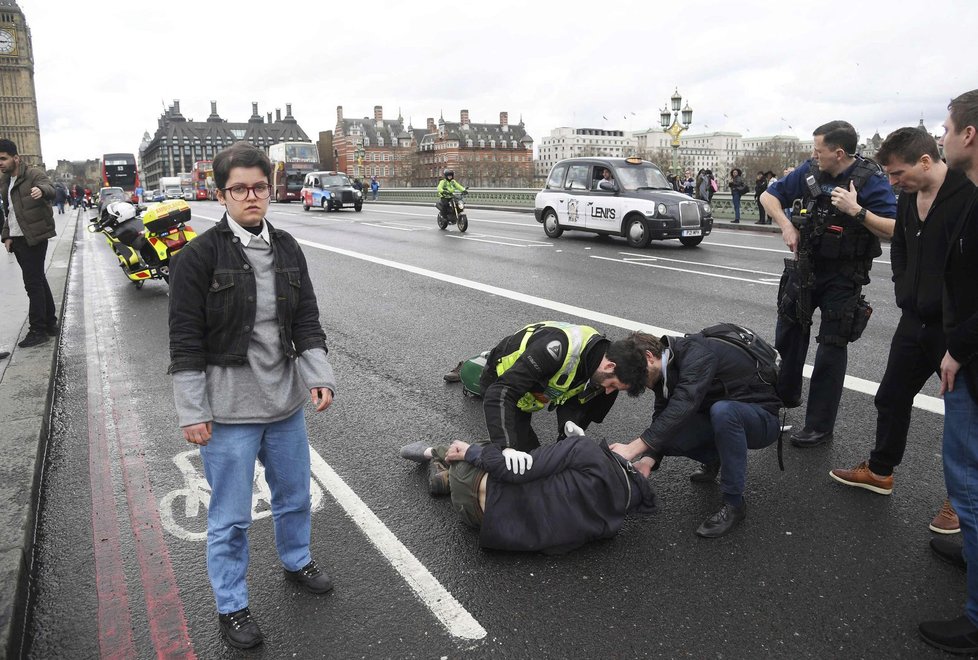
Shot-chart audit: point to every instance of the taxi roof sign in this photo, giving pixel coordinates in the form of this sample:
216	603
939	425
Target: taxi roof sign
633	160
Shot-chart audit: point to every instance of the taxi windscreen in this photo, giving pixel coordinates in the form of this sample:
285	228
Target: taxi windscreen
642	177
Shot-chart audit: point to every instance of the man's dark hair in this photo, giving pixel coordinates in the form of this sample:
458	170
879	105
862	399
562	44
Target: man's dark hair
909	145
628	354
838	134
239	154
964	110
8	147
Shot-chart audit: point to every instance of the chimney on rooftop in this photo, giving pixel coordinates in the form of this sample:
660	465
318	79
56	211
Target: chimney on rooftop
465	118
254	108
504	120
269	116
288	109
431	125
176	106
379	115
278	114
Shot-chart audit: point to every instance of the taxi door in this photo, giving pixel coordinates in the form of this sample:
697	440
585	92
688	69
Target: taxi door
603	208
576	187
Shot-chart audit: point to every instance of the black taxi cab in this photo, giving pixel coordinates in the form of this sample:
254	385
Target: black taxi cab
627	197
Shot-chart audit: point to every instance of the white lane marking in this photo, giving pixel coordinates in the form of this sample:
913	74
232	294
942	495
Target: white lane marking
631	262
782	250
429	215
442	604
484	238
373	224
932	404
637	258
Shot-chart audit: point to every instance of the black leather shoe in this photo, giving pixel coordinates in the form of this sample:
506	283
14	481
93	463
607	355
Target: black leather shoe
240	629
705	473
957	635
808	438
311	578
722	521
33	339
950	552
4	355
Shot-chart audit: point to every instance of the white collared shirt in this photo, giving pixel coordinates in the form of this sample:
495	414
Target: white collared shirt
666	354
244	235
13	226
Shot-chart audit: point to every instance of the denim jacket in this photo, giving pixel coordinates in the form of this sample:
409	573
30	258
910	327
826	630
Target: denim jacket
212	300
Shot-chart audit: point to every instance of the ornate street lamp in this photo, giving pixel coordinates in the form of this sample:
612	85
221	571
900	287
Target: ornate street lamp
675	128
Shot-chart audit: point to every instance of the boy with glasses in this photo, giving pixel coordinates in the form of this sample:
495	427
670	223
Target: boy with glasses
245	347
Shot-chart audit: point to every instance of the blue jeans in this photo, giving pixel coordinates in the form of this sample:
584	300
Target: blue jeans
229	465
961	477
736	205
725	435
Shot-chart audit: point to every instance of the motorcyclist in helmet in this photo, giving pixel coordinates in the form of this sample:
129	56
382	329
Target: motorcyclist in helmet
446	188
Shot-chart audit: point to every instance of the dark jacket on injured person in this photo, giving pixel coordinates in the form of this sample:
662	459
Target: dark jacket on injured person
577	491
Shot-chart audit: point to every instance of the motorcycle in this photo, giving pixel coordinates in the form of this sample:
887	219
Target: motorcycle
144	240
456	214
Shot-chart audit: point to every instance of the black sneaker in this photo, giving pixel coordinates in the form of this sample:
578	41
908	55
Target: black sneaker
240	629
33	339
311	578
957	635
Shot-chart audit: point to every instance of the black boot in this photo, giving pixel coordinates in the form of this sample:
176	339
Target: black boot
722	521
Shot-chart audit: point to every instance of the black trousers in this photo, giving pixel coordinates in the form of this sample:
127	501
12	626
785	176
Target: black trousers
41	314
915	355
833	292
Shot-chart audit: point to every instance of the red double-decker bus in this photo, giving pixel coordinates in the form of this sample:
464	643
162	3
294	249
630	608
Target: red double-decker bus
202	180
291	161
119	171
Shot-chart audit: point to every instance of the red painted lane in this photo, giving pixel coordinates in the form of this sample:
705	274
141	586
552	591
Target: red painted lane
114	623
166	616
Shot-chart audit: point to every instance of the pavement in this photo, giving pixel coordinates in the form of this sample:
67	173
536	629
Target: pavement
27	385
27	380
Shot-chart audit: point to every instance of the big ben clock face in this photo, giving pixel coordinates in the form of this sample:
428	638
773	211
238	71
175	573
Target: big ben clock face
7	43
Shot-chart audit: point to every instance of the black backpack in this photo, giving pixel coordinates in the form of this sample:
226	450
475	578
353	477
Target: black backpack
766	356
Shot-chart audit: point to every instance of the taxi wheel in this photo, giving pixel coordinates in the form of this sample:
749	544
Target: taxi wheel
550	225
326	205
358	208
637	233
691	241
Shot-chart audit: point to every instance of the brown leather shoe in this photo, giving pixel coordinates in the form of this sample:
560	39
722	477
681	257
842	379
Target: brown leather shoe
946	521
454	376
862	477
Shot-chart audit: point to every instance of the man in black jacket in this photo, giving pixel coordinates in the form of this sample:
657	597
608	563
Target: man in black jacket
931	203
578	491
959	373
568	367
711	405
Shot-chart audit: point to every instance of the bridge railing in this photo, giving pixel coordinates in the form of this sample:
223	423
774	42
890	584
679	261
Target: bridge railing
521	199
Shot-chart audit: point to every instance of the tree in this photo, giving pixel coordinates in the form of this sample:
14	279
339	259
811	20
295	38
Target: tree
773	156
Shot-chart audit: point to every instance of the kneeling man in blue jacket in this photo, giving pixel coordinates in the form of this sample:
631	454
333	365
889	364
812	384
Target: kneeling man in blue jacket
578	491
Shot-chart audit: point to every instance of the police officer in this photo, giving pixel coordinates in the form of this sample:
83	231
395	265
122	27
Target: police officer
570	368
846	206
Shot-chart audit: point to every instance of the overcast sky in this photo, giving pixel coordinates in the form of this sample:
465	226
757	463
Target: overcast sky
105	70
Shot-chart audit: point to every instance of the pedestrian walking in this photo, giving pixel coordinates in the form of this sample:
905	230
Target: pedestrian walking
738	188
27	194
374	187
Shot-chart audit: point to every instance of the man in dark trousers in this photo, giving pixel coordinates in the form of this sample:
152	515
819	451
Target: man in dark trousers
27	194
959	375
850	207
578	491
931	202
711	405
565	366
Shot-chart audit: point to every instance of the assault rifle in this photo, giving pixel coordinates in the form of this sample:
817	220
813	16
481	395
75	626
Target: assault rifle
810	225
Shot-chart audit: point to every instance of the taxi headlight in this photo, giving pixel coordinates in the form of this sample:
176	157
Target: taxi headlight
707	209
661	208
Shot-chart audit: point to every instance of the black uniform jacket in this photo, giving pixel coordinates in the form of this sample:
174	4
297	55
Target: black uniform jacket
699	373
531	373
918	248
212	300
961	295
577	491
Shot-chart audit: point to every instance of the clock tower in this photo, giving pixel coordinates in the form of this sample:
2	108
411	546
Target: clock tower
18	99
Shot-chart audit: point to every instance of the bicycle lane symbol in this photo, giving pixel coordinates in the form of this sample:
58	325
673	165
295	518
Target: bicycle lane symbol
181	508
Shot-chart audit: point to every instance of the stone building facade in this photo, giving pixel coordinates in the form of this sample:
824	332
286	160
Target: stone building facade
179	141
18	98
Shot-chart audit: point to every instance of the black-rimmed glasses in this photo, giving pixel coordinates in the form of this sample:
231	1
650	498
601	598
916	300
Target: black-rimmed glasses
239	193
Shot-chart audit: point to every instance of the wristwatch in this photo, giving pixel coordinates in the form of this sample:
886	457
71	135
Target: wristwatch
861	216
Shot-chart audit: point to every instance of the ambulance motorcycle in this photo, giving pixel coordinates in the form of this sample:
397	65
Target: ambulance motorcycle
144	239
